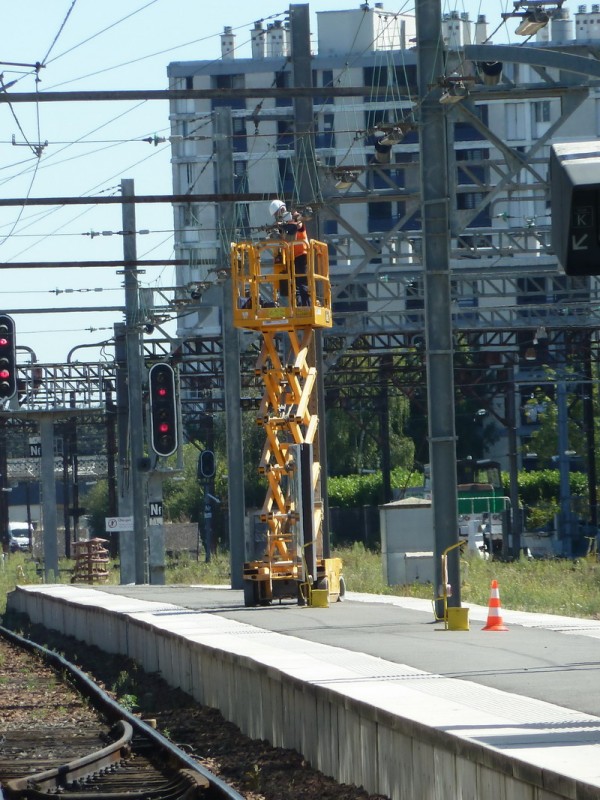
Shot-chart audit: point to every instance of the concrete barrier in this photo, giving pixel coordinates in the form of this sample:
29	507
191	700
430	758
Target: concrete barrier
387	727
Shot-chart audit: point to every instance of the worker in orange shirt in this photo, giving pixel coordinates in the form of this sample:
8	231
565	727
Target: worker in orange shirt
292	228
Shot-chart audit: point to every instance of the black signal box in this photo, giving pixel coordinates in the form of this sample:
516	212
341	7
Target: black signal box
575	199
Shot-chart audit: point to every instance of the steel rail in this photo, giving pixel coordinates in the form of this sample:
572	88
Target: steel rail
219	790
57	778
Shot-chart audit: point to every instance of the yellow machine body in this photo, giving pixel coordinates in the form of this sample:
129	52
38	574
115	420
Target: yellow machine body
265	283
266	299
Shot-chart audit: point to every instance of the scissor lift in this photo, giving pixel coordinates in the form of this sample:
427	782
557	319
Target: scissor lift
285	308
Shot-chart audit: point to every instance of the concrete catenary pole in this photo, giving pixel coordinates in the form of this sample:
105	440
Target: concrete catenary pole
48	486
436	275
231	351
126	548
307	191
135	379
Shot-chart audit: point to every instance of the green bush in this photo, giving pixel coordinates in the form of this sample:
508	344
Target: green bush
539	494
355	491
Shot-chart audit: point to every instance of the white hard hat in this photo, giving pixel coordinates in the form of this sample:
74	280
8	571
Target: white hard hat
275	207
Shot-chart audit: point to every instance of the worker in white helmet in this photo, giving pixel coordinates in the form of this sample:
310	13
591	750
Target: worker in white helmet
278	209
291	227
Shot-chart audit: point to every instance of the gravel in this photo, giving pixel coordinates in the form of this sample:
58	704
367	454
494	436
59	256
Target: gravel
257	770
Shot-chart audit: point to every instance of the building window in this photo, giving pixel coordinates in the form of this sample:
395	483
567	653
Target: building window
240	141
415	300
469	200
352	299
380	217
374	117
326	82
474	170
228	82
286	176
375	77
541	111
242	220
330	228
188	175
325	136
240	177
515	121
285	135
189	215
465	132
283	81
240	188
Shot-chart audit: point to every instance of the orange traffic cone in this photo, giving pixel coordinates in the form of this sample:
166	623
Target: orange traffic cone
494	620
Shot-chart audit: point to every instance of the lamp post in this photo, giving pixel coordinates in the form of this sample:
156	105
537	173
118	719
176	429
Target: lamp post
516	521
562	381
565	517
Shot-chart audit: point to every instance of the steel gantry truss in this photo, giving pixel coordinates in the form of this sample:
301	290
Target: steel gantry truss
376	278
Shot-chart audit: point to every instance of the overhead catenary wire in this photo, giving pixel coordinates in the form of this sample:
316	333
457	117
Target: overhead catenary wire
38	147
251	163
122	19
98	33
160	53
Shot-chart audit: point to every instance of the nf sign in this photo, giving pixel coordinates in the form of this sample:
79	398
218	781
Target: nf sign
155	513
575	197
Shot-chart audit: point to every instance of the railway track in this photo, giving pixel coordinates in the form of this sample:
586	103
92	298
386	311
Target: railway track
63	735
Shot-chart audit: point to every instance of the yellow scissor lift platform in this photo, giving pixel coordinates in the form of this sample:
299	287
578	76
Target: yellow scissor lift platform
285	307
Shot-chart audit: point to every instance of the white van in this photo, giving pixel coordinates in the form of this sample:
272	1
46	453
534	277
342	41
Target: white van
20	537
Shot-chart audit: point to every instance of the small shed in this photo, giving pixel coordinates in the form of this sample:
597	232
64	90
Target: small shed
407	541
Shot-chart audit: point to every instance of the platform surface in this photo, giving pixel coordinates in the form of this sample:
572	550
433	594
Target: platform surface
530	692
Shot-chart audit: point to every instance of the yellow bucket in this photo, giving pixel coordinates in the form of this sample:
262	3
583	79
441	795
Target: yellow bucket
458	619
319	598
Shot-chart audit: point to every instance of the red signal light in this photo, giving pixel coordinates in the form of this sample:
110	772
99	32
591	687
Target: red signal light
163	409
8	358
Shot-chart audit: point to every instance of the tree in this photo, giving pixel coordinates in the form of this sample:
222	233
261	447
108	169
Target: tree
96	502
354	437
541	409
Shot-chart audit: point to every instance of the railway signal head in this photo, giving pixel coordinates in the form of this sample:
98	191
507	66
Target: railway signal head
8	359
206	464
163	410
575	200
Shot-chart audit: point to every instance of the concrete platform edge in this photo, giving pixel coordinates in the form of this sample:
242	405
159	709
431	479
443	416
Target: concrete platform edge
345	736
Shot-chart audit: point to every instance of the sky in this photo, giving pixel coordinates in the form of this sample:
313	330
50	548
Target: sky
86	149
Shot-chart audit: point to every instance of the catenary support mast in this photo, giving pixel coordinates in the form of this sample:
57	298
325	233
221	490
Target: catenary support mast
436	260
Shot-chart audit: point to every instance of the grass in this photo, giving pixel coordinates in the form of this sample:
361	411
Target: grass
553	586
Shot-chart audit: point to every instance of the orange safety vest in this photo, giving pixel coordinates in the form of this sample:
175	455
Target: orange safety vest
301	242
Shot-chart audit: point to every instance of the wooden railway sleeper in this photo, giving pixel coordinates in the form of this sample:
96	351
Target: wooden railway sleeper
81	768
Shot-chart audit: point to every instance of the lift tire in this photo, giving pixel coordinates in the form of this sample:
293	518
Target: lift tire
342	593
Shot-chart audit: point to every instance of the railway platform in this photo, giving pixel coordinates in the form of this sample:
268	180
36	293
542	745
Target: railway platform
370	691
